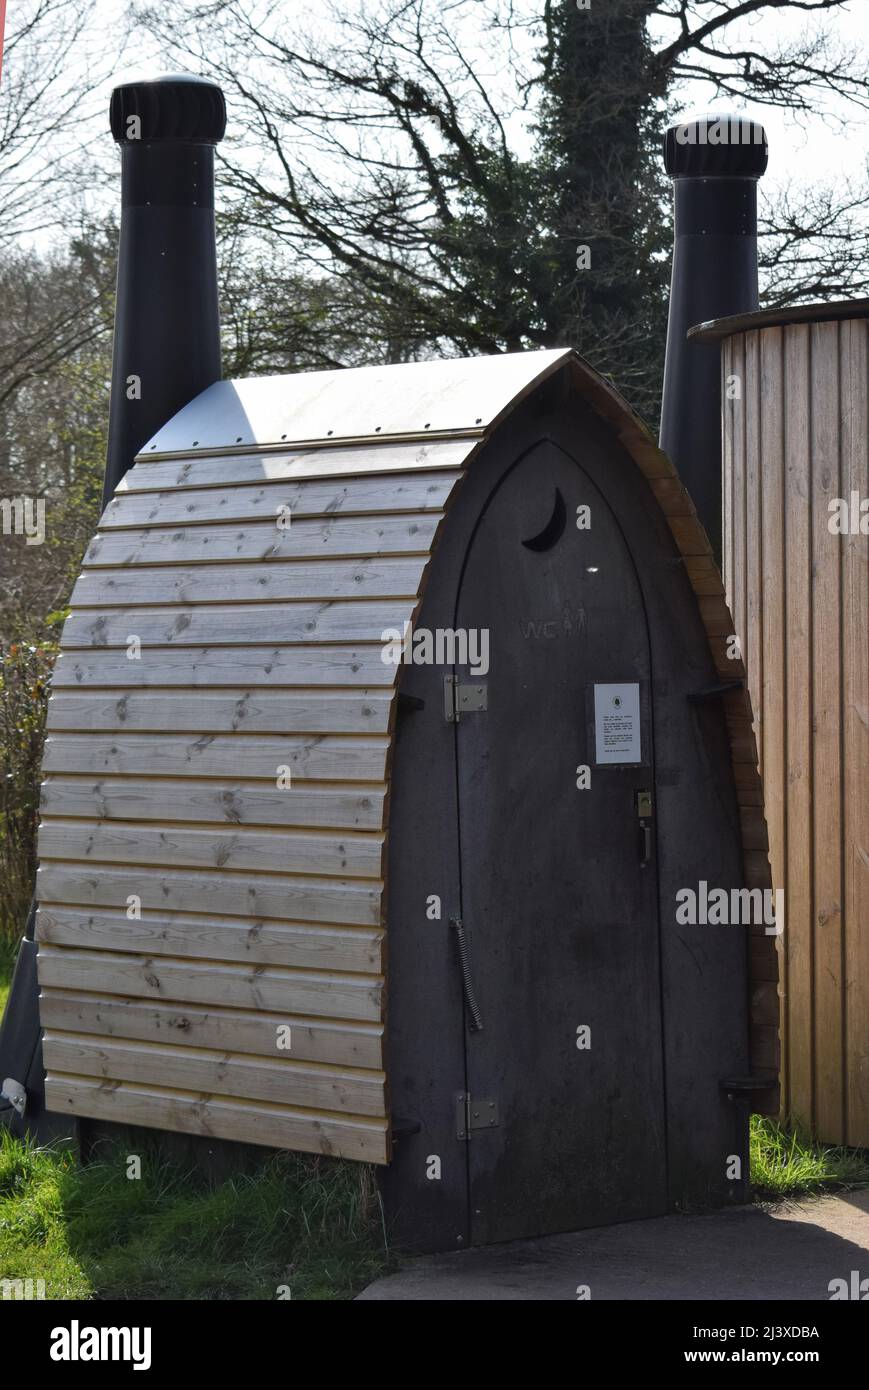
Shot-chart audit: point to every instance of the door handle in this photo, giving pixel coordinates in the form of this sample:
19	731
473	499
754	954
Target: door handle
475	1021
646	852
644	816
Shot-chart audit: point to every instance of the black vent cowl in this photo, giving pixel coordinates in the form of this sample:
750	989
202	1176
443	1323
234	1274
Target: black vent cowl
715	144
188	110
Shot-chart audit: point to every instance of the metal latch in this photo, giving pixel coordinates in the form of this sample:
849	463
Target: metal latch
463	697
644	816
474	1114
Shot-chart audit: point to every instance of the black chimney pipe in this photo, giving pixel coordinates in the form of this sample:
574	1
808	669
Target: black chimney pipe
715	161
167	327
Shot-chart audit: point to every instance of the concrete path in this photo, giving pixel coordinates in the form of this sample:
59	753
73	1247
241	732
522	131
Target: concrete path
790	1251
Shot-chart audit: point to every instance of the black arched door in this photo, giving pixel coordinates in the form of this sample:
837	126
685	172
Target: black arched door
563	1106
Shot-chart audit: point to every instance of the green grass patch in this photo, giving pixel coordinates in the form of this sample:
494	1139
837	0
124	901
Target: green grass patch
786	1163
312	1225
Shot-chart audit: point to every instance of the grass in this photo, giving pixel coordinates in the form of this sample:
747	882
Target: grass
786	1163
309	1226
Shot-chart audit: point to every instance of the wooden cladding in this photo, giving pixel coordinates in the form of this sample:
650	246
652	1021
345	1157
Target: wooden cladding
796	444
214	810
212	933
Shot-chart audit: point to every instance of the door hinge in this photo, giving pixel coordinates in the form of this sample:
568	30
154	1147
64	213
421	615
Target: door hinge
463	697
474	1114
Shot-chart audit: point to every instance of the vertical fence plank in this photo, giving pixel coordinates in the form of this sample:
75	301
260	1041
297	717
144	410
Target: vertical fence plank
826	668
798	726
855	727
772	618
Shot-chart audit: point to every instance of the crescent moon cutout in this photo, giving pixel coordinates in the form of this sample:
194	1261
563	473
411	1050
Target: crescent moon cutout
553	530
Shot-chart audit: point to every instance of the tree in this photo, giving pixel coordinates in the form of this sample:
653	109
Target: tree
54	61
444	162
55	345
51	307
275	318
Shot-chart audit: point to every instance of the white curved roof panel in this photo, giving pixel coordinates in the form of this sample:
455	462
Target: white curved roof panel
446	398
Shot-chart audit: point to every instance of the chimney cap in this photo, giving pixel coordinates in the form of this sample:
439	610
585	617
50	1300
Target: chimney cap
715	144
178	107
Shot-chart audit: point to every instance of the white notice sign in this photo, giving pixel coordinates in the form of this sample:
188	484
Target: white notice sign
617	724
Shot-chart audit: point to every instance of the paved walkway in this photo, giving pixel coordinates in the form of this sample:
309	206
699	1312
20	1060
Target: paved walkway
791	1251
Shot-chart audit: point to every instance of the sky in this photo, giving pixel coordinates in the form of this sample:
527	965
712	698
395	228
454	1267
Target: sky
811	150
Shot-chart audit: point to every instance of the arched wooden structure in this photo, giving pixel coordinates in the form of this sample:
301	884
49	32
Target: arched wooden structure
212	941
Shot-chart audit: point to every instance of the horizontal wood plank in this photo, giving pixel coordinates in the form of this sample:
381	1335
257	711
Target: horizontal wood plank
229	1030
219	755
356	461
233	803
277	1079
400	492
280	897
216	666
335	537
239	624
251	1122
206	712
299	946
382	577
270	988
333	853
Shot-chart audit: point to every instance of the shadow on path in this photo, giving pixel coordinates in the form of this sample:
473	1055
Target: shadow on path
791	1251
